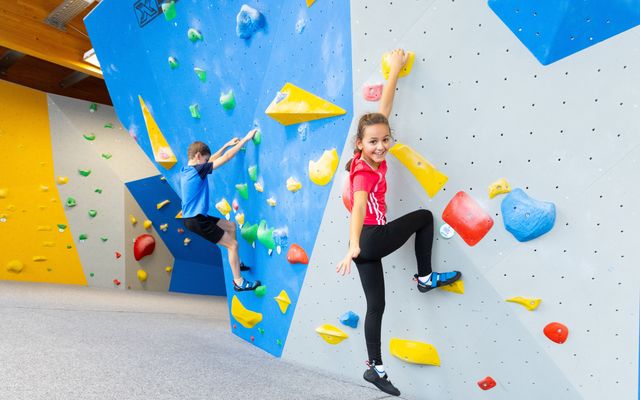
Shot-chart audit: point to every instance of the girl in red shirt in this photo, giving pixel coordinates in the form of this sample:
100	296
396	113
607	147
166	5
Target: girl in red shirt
371	238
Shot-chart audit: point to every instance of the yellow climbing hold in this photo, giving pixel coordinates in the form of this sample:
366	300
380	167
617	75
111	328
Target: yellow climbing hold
48	244
169	268
245	317
414	352
271	201
3	193
529	303
133	220
283	301
39	258
224	207
501	186
240	219
404	71
164	227
44	228
186	241
310	2
162	204
161	150
331	334
293	185
258	187
321	171
142	275
179	214
44	188
455	287
427	175
147	224
15	266
62	180
293	105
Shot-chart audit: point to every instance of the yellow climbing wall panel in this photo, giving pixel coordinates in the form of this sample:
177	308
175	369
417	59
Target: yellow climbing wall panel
162	152
31	208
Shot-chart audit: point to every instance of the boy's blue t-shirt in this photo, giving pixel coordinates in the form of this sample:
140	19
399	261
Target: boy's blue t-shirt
195	189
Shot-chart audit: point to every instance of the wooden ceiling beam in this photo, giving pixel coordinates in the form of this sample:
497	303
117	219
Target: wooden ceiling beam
8	59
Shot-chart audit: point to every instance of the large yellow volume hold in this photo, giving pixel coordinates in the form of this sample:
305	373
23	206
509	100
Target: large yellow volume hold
455	287
414	352
321	171
245	317
162	152
528	303
427	175
331	334
293	105
404	71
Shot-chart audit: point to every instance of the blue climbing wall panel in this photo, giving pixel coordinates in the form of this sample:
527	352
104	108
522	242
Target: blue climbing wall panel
198	266
552	30
309	47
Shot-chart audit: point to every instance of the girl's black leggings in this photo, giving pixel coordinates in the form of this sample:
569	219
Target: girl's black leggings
376	242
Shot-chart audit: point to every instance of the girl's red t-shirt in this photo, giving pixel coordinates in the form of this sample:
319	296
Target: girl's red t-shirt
363	177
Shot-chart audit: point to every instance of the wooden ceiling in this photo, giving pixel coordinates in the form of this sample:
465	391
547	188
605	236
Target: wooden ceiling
40	56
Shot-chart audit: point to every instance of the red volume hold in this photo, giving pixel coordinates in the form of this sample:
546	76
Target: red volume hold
487	383
297	255
143	246
467	218
556	332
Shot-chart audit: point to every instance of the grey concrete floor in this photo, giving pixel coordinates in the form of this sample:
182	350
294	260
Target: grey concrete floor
71	342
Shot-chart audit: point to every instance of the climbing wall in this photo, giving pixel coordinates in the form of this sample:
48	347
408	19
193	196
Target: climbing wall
480	106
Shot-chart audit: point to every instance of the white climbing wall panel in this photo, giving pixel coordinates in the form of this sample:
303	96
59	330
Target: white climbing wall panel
479	106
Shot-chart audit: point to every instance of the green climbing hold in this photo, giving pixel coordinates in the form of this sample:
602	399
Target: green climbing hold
228	100
84	172
257	138
279	342
62	227
253	173
249	233
106	156
83	236
194	35
104	239
260	291
195	111
202	74
169	10
71	202
173	62
98	190
91	274
243	190
265	235
93	213
261	331
93	107
108	125
89	136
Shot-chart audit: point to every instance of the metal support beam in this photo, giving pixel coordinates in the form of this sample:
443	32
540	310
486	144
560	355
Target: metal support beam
8	59
72	79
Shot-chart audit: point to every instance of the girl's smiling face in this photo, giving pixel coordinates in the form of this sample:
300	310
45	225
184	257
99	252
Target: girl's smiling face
375	143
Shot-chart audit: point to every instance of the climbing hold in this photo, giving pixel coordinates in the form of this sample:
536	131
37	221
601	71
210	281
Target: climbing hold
293	185
62	180
404	71
162	152
147	224
528	303
245	317
61	227
133	220
194	35
556	332
331	334
93	107
180	230
89	136
240	219
283	301
248	21
235	205
169	268
143	245
179	214
467	218
297	255
194	109
427	175
106	156
164	227
186	241
310	2
15	266
303	131
228	100
300	24
83	237
293	105
92	213
486	383
414	352
162	204
243	190
525	217
108	125
91	274
280	237
71	202
455	287
279	342
48	244
3	193
261	331
446	231
260	291
249	233
98	190
350	319
253	173
104	239
265	235
257	137
224	207
117	282
372	92
118	255
321	171
39	258
169	10
142	275
271	201
173	62
258	187
501	186
201	74
44	188
84	172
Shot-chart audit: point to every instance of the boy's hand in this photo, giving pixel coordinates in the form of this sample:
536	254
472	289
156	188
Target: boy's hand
397	60
250	134
232	142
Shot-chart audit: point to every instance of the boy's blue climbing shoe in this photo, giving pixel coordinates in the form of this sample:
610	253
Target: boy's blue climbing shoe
438	280
246	285
382	383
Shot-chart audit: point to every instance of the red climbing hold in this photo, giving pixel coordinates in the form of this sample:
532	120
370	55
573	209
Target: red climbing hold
143	246
117	282
467	218
235	326
556	332
252	338
180	230
297	255
487	383
118	255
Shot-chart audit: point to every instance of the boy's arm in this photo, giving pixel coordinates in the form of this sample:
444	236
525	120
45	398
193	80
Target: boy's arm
397	59
218	153
220	161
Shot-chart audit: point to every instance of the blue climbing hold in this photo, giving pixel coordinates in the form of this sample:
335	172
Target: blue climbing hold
527	218
350	319
249	20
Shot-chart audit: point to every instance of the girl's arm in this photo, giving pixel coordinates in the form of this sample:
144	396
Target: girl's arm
357	220
397	59
232	152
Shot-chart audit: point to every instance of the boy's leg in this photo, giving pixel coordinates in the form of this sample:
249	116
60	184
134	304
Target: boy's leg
229	242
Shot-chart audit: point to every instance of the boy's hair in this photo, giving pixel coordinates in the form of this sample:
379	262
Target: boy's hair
198	147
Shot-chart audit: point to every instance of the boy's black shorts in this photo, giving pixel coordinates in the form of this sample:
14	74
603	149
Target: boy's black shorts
205	226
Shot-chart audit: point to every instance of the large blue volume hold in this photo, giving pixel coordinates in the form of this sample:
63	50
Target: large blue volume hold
527	218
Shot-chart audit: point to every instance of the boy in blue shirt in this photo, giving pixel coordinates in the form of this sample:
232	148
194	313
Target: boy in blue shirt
195	202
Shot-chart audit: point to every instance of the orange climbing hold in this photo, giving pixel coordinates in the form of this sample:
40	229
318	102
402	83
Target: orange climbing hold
467	218
297	255
556	332
143	246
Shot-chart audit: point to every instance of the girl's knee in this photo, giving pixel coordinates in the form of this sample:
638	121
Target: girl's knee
426	215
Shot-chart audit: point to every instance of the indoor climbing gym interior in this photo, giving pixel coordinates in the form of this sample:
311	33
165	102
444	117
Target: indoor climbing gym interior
223	199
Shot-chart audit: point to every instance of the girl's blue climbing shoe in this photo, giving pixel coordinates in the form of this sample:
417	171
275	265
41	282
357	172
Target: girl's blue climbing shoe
438	280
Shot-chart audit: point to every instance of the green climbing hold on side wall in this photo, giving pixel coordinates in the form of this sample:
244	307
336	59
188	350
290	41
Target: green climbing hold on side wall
173	62
257	138
249	233
98	190
92	213
228	100
265	235
260	291
194	35
169	10
202	74
89	136
253	173
243	190
83	236
84	172
106	156
93	107
108	125
71	202
195	111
